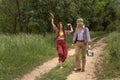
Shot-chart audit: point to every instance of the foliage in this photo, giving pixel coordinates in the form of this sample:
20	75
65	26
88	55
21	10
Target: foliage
20	54
32	16
111	65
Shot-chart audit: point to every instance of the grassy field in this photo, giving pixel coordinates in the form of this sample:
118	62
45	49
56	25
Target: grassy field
111	65
98	34
20	53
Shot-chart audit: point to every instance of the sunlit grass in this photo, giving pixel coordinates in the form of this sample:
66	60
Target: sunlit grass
111	65
20	53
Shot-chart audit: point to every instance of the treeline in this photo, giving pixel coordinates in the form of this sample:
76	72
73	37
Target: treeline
32	16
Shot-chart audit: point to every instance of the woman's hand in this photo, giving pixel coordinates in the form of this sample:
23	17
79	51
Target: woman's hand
71	28
51	14
69	24
52	19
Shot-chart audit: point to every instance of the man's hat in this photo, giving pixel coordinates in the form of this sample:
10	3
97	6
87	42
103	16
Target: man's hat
79	20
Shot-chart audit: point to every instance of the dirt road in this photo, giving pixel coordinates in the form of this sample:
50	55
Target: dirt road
90	67
42	69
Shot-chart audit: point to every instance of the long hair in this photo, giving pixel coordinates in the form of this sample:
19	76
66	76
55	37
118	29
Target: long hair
79	27
63	29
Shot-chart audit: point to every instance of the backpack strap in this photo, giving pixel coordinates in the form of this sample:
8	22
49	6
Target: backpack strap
85	35
76	36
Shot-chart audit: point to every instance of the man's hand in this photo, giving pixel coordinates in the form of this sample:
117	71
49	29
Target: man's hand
72	46
89	47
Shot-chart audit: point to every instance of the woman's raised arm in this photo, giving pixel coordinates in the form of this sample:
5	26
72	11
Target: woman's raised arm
52	22
71	28
68	32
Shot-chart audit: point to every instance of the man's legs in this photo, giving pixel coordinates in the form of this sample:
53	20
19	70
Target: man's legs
83	57
77	55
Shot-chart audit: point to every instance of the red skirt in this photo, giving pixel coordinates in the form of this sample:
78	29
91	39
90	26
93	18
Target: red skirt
62	49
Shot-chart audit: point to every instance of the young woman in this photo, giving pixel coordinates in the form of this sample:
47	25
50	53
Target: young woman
61	44
81	39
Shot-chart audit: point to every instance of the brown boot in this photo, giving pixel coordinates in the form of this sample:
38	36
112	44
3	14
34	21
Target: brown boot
77	69
83	70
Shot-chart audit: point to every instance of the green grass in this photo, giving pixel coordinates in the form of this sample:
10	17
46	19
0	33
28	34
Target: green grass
21	53
69	40
0	1
111	65
98	34
60	74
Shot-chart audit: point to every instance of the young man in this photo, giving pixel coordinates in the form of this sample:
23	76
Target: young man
81	39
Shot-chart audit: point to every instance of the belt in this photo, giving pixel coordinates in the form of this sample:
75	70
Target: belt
80	40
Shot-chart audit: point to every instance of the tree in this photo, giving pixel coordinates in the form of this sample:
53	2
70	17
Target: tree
32	16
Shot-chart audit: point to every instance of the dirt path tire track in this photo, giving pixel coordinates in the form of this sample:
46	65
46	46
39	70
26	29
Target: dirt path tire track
39	71
89	74
42	69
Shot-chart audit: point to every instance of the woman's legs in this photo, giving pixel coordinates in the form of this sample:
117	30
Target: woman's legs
60	53
65	50
62	50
